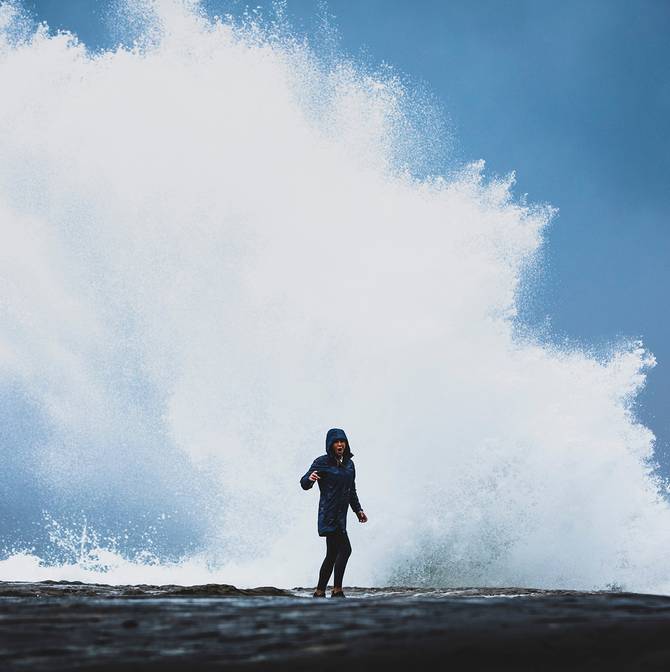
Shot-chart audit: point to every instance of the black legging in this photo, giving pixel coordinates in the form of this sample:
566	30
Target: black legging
338	550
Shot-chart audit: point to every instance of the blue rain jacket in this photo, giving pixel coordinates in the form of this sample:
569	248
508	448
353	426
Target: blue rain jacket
337	486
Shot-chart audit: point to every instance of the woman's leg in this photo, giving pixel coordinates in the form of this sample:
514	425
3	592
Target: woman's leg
344	551
328	562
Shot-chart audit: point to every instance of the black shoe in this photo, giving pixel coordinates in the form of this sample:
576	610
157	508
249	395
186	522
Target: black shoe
317	594
339	593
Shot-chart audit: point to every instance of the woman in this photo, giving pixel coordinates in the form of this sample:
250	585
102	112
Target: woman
335	474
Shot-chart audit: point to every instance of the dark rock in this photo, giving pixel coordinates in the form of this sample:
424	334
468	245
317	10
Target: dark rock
82	627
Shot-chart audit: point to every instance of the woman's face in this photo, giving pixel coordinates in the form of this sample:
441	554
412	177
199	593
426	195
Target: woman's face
338	446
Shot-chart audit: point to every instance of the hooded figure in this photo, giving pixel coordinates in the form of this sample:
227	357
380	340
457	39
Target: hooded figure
336	484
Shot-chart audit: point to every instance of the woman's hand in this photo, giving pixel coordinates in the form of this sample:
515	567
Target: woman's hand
314	476
362	518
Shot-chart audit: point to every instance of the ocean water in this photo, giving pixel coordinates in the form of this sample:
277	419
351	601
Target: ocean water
217	243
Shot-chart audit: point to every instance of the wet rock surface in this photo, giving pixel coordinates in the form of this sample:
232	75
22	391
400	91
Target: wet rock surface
101	590
76	626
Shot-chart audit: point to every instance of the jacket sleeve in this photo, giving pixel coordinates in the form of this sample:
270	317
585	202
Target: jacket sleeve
304	481
353	498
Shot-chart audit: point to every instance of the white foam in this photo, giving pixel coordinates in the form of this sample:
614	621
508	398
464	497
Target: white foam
215	248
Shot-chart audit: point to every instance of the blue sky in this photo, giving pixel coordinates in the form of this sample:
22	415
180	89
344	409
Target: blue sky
573	96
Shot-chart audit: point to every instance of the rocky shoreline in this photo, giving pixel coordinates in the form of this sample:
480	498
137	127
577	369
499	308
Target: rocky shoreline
77	626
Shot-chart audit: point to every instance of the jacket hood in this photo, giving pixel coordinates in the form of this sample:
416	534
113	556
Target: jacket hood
332	436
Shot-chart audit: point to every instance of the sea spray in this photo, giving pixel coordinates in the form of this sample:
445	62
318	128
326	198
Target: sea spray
217	245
